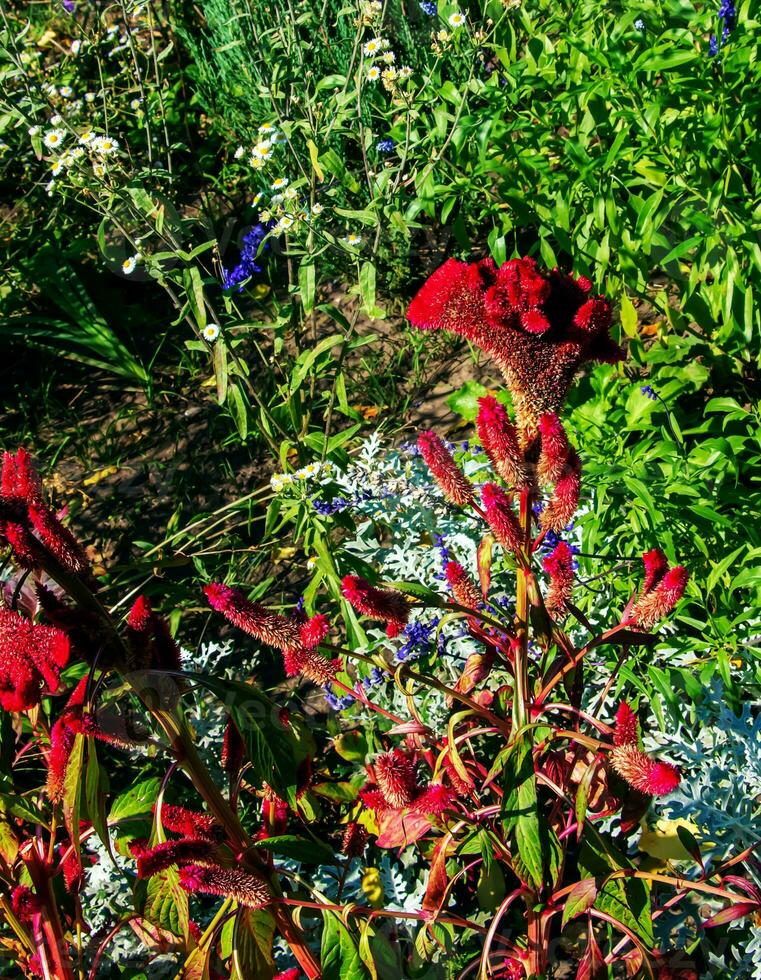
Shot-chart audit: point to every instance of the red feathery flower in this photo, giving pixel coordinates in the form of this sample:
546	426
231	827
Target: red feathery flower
31	659
626	730
644	773
188	823
387	605
293	974
499	439
233	749
395	775
559	566
252	617
152	860
656	566
555	449
57	539
653	606
463	589
149	635
317	668
246	888
73	869
540	327
453	483
374	799
62	736
314	630
435	800
19	480
26	548
501	518
565	498
24	902
354	840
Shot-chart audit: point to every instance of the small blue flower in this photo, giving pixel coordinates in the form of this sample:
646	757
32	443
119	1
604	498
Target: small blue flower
639	24
386	145
417	640
248	264
649	392
727	11
429	7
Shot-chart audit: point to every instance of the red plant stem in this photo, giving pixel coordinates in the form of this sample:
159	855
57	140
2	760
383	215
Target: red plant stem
576	660
54	946
521	689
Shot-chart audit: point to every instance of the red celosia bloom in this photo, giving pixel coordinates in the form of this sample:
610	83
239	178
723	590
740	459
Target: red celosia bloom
644	773
463	589
24	902
293	974
19	480
31	659
626	730
152	860
656	566
314	630
354	840
501	518
374	799
499	439
26	548
246	888
559	566
539	327
395	775
252	617
233	749
565	497
554	451
188	823
435	800
311	664
387	605
57	539
653	606
150	637
62	736
73	870
445	471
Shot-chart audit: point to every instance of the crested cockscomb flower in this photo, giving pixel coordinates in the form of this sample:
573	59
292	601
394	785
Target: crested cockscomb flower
253	618
554	449
246	888
642	772
31	659
314	630
388	605
395	775
453	483
233	749
559	566
656	566
188	823
499	438
150	637
463	588
57	539
434	801
626	728
565	497
540	327
653	606
501	517
24	903
354	840
188	850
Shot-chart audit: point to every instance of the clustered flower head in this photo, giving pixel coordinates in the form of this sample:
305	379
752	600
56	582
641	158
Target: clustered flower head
499	439
540	327
559	566
445	471
397	787
640	770
31	659
387	605
249	264
662	589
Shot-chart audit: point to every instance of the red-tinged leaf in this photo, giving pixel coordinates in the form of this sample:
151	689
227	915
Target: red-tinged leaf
436	889
741	884
580	899
409	728
483	555
477	668
633	963
731	913
592	965
397	829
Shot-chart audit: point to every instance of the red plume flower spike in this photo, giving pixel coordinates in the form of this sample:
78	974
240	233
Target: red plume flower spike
233	749
246	888
501	517
445	471
644	773
354	840
152	860
434	801
253	618
57	539
555	450
657	603
559	566
149	634
463	588
565	499
19	480
395	775
626	730
388	605
500	441
656	566
31	659
314	630
188	823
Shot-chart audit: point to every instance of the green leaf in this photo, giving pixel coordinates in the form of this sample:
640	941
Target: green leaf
580	899
166	903
464	401
252	937
136	801
625	899
307	285
194	288
628	316
298	848
339	955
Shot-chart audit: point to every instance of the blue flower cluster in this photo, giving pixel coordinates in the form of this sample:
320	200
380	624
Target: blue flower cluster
429	7
247	265
417	640
340	702
649	392
386	145
727	17
441	546
326	508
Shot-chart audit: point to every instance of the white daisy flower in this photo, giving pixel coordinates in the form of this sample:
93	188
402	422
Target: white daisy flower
265	215
99	170
374	46
456	19
291	194
279	183
66	91
87	137
129	265
256	163
56	119
279	138
50	187
311	469
210	332
53	138
404	72
353	239
262	150
373	74
57	168
238	153
76	47
135	104
388	74
284	224
388	58
267	130
90	96
276	482
105	145
277	199
317	210
311	563
77	153
257	198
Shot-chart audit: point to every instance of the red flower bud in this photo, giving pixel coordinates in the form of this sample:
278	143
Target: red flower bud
657	603
501	518
253	618
233	749
387	605
19	480
150	637
463	589
656	566
644	773
31	659
565	499
555	449
445	471
152	860
314	630
395	775
435	800
354	840
246	888
57	539
559	566
500	441
626	730
188	823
